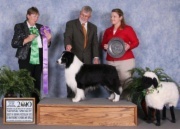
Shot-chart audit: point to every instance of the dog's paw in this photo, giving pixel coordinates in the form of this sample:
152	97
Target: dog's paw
115	100
111	97
83	98
75	100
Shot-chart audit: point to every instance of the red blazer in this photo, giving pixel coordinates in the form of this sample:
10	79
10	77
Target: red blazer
127	34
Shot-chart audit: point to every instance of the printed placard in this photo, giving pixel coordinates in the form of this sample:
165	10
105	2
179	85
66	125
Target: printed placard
19	111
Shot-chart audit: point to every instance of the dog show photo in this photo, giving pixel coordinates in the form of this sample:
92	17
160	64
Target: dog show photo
74	64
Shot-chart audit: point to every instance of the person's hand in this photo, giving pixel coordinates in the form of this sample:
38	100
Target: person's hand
29	38
68	48
126	46
96	60
105	46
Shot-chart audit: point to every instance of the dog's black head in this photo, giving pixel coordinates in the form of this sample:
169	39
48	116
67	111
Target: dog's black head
66	58
149	79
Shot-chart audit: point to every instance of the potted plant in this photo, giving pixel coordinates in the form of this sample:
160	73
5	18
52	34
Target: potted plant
135	89
13	83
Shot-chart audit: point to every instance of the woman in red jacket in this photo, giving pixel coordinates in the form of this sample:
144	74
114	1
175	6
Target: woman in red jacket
121	30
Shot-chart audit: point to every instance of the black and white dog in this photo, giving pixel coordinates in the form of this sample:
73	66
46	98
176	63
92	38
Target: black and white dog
80	76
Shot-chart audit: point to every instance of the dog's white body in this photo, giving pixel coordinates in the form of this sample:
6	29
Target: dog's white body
70	79
71	72
77	72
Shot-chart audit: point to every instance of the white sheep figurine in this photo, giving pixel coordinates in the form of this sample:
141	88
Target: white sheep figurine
159	94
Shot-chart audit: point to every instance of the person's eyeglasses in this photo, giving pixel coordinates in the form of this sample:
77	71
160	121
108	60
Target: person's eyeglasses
85	16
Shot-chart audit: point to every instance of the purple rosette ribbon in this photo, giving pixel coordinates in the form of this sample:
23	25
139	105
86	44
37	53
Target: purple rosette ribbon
45	58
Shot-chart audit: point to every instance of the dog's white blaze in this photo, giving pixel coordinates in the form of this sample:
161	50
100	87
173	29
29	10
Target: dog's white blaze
59	60
70	73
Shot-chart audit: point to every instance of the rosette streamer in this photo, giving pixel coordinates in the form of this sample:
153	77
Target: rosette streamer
45	57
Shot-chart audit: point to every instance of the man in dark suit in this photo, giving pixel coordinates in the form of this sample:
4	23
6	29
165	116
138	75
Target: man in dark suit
74	37
27	35
80	37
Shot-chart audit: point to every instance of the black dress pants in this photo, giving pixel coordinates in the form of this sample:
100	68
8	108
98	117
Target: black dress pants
35	72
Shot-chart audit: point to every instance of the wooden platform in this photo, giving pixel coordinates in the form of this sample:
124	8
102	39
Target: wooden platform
90	112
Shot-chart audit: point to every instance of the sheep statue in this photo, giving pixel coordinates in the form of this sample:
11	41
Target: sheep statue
158	95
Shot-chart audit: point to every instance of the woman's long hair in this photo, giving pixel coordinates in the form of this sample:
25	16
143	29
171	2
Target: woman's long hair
120	13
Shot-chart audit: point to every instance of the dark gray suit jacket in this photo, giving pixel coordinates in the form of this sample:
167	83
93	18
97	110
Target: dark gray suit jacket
74	36
21	31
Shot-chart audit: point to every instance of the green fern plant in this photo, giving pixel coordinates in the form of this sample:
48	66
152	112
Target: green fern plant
16	82
134	83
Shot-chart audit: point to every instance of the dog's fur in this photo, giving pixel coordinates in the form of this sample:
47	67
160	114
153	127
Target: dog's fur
159	94
80	76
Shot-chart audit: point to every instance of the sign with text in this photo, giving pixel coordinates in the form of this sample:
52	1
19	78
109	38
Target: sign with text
19	111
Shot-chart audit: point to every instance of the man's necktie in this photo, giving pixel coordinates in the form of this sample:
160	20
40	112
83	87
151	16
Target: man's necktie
85	34
34	56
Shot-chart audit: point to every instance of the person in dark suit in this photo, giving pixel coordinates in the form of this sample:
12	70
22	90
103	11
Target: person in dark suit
80	37
28	41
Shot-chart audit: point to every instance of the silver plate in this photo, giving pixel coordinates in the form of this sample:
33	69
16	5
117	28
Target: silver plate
116	47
